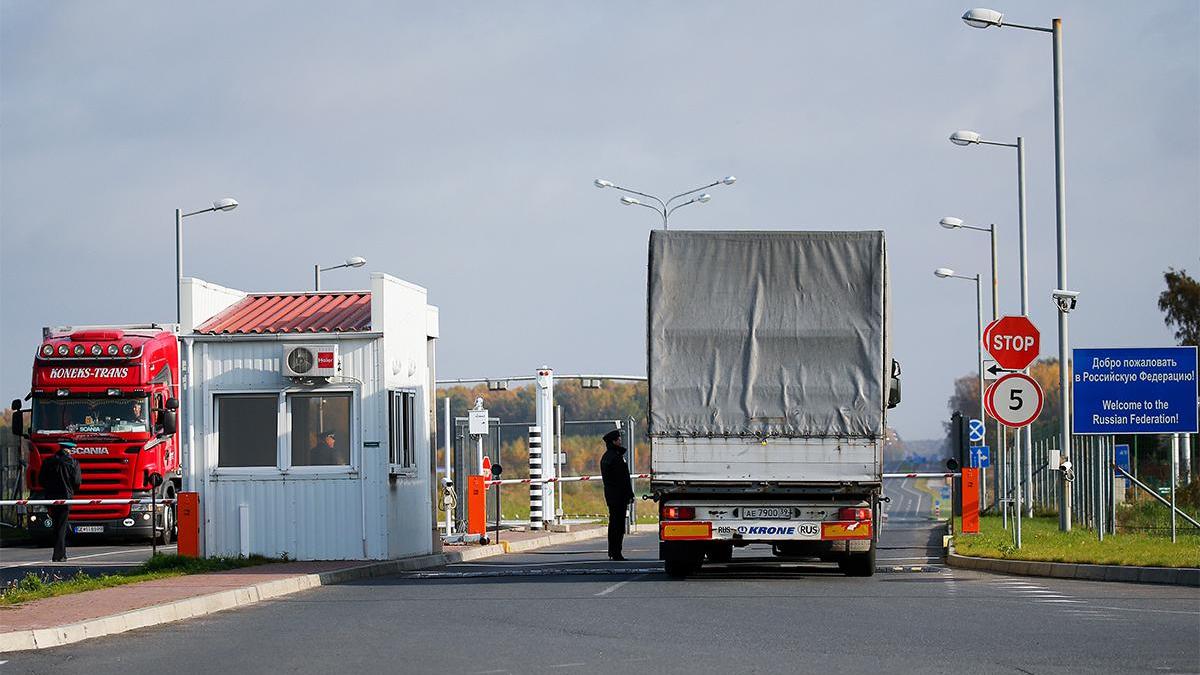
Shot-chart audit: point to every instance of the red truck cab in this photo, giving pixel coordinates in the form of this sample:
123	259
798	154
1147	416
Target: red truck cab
113	391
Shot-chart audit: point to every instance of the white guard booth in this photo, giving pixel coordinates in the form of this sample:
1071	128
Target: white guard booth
308	420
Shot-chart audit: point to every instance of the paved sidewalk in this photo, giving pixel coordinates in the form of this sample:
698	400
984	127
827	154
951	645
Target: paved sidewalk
51	622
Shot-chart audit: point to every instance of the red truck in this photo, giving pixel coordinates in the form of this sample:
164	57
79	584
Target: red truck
113	391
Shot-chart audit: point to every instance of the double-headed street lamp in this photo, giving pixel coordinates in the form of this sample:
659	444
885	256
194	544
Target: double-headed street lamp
664	208
355	261
226	204
965	137
947	273
957	224
986	18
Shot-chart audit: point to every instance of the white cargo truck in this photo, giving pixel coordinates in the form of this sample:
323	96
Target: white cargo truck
770	377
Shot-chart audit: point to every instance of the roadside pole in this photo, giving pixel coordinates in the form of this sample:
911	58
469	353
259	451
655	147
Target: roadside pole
1174	462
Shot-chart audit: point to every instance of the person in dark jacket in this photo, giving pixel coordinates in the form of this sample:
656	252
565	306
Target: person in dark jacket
618	492
60	477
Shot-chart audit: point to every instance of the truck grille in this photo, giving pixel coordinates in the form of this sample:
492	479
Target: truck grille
104	477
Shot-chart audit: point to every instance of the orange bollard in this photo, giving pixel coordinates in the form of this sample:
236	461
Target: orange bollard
970	500
187	518
476	505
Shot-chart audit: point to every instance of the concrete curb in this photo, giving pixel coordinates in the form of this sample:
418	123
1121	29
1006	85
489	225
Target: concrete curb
179	610
1174	576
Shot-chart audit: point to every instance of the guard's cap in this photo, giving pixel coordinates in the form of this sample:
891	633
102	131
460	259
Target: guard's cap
612	436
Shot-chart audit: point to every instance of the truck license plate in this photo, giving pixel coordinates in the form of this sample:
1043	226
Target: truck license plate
89	529
759	512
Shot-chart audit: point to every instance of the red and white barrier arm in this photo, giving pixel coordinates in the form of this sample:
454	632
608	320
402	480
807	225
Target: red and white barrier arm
79	502
564	479
921	475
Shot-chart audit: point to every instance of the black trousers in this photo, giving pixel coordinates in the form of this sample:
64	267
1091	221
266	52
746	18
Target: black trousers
59	515
616	527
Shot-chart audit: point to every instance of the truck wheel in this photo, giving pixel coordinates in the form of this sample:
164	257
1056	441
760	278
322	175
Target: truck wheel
859	564
168	520
720	553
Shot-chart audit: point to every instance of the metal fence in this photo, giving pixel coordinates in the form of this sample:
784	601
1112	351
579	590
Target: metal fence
1096	491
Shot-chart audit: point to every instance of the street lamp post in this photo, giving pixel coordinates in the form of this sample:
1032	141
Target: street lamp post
664	208
985	18
355	261
964	137
946	273
957	224
226	204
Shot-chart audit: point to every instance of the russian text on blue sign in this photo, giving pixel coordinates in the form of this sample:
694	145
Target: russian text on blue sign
1150	390
975	430
980	457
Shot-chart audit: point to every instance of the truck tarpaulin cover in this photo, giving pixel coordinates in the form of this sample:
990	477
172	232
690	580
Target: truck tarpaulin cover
767	334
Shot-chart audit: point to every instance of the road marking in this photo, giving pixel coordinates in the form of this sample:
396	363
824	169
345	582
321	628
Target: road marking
567	665
70	561
1156	611
1058	600
614	587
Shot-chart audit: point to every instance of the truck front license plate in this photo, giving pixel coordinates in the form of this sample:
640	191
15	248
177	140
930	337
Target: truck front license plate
758	512
89	529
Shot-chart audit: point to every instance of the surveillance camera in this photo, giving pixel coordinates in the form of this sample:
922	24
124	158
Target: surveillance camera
1064	299
1065	466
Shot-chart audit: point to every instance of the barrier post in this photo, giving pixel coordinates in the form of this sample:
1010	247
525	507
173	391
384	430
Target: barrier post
970	500
187	519
535	475
476	504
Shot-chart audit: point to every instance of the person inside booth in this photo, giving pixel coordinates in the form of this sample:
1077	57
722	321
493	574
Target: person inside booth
327	450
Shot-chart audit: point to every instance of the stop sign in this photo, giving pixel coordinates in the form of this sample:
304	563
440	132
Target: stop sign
1013	341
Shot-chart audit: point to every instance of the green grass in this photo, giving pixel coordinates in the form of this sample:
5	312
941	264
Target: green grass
36	587
1042	541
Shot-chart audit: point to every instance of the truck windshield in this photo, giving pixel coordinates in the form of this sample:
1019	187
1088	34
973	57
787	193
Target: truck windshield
90	415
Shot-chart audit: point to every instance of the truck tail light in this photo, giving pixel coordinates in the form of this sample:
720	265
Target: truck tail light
854	513
678	512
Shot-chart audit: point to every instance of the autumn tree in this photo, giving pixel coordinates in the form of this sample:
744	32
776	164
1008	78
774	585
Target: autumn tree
1181	304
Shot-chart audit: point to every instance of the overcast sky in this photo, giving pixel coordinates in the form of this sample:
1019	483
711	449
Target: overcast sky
454	145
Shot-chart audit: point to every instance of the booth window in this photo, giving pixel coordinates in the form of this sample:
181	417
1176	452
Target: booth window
320	429
402	423
247	429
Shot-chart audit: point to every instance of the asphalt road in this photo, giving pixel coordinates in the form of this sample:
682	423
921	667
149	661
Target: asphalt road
569	610
94	558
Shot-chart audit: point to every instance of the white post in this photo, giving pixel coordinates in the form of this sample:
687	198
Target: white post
545	422
446	479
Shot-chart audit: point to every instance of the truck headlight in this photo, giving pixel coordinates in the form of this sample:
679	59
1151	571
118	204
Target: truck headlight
134	508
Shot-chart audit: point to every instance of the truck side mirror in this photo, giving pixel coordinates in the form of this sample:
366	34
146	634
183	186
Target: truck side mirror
172	403
894	386
170	423
952	464
18	419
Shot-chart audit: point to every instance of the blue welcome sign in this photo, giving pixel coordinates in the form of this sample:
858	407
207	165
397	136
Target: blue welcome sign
1135	391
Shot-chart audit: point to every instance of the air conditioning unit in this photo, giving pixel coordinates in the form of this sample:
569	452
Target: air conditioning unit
311	360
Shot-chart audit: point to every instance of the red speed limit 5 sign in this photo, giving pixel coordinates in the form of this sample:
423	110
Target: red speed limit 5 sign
1015	400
